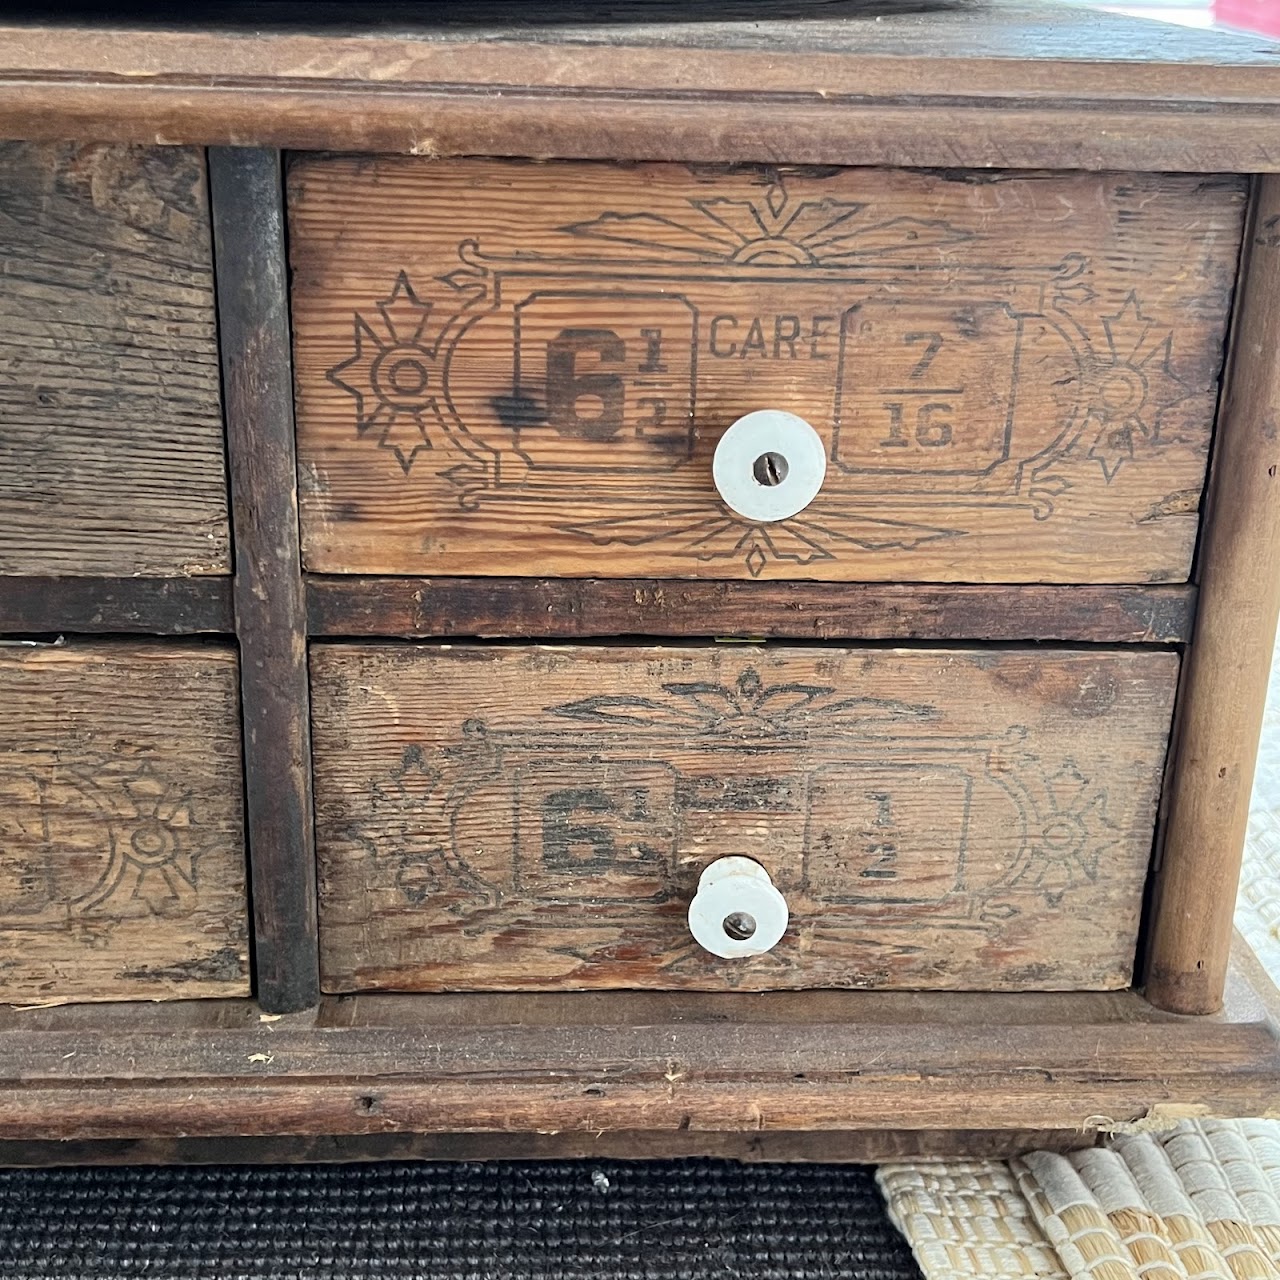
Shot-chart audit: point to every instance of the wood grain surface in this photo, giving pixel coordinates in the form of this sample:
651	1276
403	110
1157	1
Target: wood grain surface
122	861
402	41
517	368
111	458
525	817
1005	83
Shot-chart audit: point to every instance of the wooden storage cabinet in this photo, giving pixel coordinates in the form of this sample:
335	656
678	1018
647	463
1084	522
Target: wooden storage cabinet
514	368
381	659
514	818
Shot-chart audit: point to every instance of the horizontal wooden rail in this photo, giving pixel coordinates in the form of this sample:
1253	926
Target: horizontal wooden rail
660	1063
120	606
573	608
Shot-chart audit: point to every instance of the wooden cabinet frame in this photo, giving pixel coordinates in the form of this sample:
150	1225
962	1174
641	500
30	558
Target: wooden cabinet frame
810	1073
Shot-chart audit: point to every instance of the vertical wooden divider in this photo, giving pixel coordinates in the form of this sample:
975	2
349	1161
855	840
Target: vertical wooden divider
1230	656
246	190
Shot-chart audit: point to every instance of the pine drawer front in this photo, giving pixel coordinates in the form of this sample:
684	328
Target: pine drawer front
112	461
527	817
508	367
122	853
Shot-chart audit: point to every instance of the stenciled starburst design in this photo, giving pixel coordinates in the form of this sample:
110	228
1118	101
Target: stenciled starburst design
718	534
1131	384
408	808
1068	830
153	855
412	814
747	707
396	374
773	230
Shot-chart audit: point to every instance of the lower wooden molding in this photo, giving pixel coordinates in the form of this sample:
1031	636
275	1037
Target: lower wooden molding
688	1070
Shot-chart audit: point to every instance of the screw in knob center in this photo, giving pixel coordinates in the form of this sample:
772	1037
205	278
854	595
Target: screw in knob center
739	925
770	469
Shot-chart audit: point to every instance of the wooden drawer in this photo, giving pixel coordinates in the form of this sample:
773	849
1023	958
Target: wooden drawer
111	442
506	367
537	817
122	855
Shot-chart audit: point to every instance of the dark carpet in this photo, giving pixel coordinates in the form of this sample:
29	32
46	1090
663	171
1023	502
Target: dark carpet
665	1220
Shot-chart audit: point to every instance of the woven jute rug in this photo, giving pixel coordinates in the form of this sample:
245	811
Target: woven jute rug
1199	1203
583	1220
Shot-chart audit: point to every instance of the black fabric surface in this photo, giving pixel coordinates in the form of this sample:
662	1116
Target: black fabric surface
561	1221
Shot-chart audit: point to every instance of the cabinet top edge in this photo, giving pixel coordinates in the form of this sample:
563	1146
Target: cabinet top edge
269	38
900	82
822	47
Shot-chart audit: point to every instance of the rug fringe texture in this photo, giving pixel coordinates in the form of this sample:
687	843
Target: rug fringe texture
1201	1202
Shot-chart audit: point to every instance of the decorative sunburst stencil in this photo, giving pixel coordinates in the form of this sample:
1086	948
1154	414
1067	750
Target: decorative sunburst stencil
1131	385
396	373
773	230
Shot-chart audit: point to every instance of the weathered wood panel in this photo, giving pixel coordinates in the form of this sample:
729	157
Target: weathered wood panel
111	459
517	368
537	817
122	862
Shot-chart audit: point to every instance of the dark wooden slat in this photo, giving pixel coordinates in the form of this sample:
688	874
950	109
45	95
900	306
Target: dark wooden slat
253	316
117	606
570	608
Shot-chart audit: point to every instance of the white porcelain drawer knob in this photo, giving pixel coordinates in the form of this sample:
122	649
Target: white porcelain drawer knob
769	465
737	911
